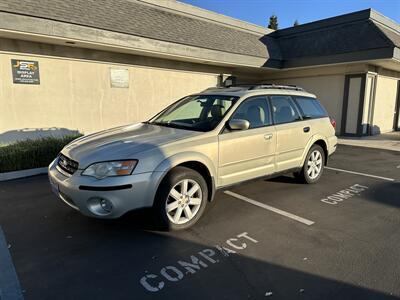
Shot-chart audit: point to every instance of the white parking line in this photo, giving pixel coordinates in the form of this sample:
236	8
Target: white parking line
362	174
270	208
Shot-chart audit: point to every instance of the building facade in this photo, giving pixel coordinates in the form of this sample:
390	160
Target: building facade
83	66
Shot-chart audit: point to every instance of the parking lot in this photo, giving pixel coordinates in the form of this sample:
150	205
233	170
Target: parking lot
338	239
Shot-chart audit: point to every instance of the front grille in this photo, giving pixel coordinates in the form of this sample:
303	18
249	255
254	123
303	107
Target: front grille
67	165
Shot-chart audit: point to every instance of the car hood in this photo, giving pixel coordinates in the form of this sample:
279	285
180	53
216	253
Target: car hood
122	142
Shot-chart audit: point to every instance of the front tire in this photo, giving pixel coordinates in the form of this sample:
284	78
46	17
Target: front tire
313	166
181	199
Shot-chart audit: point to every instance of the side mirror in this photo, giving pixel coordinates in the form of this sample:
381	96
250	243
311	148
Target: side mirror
238	124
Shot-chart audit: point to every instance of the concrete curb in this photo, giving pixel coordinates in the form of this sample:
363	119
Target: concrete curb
375	144
10	288
21	174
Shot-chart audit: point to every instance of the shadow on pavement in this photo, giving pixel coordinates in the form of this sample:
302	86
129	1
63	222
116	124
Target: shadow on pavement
387	193
59	254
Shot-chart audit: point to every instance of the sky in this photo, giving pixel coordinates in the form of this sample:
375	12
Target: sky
259	11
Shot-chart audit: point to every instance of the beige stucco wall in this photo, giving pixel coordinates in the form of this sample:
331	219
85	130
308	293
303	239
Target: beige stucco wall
328	89
77	95
385	103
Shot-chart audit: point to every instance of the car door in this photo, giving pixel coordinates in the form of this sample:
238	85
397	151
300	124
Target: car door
247	154
293	133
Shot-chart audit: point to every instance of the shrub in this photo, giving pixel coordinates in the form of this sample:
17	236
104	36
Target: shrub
31	154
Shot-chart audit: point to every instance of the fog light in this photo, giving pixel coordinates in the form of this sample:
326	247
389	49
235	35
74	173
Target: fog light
100	206
106	205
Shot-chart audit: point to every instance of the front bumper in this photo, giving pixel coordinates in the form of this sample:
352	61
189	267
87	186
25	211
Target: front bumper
124	193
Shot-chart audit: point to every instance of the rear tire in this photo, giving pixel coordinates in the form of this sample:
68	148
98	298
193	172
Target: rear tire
313	165
181	199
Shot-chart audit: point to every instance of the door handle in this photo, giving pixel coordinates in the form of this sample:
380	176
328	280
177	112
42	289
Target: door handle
268	136
306	129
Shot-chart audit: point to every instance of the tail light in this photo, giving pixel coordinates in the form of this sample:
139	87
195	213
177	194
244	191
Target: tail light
333	122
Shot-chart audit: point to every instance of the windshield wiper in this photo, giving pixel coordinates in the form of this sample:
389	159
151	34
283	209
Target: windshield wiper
177	126
165	124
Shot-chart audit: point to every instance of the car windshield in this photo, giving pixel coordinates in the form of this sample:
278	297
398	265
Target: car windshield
198	112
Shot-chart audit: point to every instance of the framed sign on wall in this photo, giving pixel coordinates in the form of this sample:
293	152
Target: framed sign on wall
25	71
119	78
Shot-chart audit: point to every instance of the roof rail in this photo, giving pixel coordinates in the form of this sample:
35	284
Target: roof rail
232	88
257	87
276	86
212	89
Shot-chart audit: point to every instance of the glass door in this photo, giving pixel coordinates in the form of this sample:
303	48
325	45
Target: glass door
353	104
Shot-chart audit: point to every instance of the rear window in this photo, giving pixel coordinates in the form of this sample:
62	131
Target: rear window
310	107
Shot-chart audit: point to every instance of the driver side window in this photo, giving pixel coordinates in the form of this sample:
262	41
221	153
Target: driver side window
255	110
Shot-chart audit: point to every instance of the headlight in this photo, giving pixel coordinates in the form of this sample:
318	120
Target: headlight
110	168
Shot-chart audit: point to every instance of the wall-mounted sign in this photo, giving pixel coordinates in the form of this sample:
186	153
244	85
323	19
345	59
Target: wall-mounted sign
25	71
119	78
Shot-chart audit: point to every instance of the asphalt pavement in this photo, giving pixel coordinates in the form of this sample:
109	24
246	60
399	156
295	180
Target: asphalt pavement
277	239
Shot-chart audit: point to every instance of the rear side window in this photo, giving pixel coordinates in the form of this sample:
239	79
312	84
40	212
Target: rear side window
310	108
284	110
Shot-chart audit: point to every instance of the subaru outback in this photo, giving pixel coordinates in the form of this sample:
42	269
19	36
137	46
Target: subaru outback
176	161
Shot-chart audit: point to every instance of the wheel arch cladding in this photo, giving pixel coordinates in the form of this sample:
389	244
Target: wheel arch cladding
204	172
199	167
324	147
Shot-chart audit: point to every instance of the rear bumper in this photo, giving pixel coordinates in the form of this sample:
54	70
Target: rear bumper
84	193
332	144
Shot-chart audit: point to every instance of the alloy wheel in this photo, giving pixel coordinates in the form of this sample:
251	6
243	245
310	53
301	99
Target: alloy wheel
314	164
184	201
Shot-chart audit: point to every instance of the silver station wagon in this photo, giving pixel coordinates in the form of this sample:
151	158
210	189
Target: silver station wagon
176	161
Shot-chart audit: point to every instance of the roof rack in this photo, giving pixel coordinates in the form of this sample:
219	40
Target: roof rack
232	88
257	87
275	86
212	89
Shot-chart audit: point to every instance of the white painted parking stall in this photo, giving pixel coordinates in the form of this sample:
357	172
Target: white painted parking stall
199	263
270	208
361	174
335	198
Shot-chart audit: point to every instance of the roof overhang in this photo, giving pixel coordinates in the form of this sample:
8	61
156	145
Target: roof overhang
356	37
291	41
351	57
28	28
